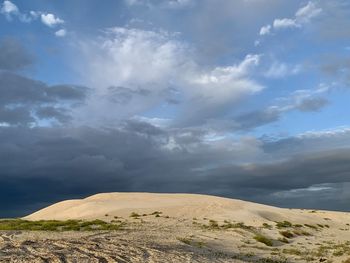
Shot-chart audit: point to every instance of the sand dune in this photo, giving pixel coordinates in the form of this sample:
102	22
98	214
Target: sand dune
182	228
185	206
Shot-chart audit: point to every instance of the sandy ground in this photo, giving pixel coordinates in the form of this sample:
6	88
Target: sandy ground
188	228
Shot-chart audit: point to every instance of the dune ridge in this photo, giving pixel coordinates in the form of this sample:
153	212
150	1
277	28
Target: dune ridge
185	206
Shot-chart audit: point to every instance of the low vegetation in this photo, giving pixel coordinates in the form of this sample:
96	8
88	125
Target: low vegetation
283	224
263	239
56	225
287	234
214	225
191	242
134	215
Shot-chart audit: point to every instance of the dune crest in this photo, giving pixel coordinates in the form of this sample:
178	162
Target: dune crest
184	206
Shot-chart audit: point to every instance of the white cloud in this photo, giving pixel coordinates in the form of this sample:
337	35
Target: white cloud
50	20
171	4
306	13
61	33
302	16
265	30
179	3
284	23
9	8
281	70
149	68
35	14
334	132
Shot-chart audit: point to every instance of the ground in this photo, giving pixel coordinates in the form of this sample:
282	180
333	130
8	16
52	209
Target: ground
156	237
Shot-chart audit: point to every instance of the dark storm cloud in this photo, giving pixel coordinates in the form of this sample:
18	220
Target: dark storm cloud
13	55
59	114
19	115
79	161
23	99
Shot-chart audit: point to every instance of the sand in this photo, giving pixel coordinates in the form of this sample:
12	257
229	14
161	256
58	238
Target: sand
188	228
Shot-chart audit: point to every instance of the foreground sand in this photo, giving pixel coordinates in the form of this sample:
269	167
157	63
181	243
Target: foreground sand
182	228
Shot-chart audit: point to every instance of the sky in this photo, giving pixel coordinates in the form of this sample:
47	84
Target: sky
246	99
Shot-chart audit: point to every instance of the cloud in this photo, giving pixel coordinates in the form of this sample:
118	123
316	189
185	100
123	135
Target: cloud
10	10
335	21
338	67
265	30
61	33
302	100
145	69
284	23
25	101
281	70
51	20
168	4
302	17
13	55
136	156
306	13
312	104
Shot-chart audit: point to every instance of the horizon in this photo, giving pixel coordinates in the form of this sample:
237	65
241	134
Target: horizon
243	99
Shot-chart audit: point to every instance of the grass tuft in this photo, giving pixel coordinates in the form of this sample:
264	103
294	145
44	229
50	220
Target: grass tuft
283	224
263	239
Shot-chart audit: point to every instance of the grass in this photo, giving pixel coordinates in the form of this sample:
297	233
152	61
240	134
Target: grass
311	226
267	226
298	232
156	213
134	215
56	225
214	225
263	239
287	234
284	240
190	242
292	251
283	224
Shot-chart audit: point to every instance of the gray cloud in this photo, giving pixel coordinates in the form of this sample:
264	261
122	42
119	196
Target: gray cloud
78	161
335	20
122	95
257	118
23	100
312	104
13	56
337	66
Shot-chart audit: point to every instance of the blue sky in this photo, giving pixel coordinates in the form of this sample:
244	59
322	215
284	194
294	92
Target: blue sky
217	81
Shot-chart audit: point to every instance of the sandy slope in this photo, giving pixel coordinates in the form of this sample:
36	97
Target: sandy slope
185	206
182	232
